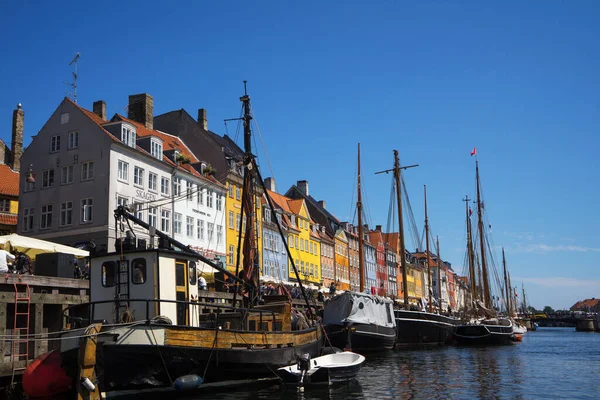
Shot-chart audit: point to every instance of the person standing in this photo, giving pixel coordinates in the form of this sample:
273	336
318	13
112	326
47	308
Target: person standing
4	257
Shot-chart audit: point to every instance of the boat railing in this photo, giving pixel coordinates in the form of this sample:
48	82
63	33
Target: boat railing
76	317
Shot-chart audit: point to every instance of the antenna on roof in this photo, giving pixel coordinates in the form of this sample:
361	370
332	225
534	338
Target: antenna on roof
74	84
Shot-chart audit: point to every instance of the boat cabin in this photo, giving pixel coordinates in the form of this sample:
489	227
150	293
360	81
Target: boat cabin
143	284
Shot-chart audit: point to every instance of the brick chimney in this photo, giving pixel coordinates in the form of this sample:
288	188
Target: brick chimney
303	186
100	109
141	109
323	204
17	137
270	184
202	120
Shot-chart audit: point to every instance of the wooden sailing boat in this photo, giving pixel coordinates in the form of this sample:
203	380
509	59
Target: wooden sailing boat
359	321
482	325
415	328
157	331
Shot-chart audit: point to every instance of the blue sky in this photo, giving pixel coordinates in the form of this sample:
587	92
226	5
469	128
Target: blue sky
518	80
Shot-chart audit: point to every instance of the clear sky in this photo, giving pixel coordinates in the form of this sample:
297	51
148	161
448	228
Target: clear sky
433	79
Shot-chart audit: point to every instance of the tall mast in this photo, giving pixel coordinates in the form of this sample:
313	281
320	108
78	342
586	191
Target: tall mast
439	274
471	255
524	300
513	300
398	181
486	285
508	306
361	266
427	248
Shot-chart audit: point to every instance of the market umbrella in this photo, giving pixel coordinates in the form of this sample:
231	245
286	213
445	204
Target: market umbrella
32	247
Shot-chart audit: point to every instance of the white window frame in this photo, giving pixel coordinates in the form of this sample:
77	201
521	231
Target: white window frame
28	218
47	178
87	171
156	149
209	199
165	184
123	171
165	220
55	144
73	140
153	216
176	186
177	220
200	227
231	217
189	189
66	214
219	234
210	230
152	182
46	216
66	175
189	226
219	202
138	176
128	136
86	211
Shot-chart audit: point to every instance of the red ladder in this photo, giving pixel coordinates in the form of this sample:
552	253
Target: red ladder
21	326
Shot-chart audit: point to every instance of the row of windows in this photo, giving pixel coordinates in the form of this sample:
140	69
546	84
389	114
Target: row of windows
65	213
307	269
66	176
233	188
73	142
194	228
152	182
303	245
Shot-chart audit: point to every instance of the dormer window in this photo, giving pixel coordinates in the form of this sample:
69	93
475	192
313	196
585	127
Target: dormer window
156	148
128	136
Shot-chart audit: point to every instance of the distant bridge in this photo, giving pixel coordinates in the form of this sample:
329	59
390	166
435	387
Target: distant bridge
581	321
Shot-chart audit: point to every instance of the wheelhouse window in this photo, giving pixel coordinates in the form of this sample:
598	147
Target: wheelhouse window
138	271
109	273
193	273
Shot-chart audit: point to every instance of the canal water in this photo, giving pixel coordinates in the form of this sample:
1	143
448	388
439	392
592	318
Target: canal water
549	363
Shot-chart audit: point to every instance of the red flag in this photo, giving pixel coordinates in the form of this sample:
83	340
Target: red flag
470	212
474	151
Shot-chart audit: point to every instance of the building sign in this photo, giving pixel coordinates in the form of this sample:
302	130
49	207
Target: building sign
200	212
140	194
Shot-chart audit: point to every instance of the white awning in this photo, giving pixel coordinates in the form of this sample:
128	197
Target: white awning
32	247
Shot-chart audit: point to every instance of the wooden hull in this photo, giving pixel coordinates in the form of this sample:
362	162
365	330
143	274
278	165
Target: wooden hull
417	328
144	356
361	337
482	334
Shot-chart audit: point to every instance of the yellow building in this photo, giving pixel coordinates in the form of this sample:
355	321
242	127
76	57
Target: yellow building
342	262
233	213
307	249
303	239
9	200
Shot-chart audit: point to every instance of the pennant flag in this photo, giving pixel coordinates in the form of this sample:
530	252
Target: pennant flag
474	151
470	212
516	295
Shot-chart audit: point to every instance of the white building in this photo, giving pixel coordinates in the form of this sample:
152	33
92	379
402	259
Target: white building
85	165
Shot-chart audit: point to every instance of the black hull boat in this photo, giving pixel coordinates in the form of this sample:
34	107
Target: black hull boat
361	337
328	369
484	333
416	328
360	322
